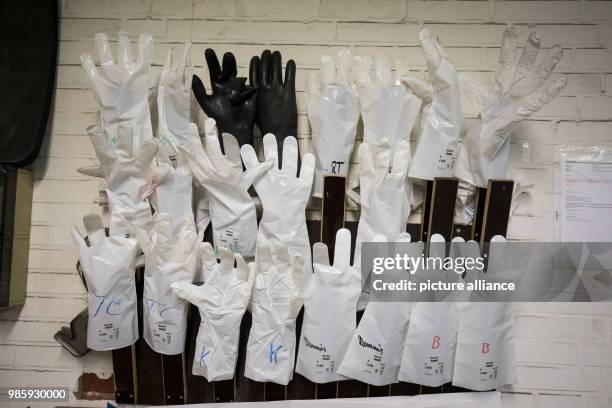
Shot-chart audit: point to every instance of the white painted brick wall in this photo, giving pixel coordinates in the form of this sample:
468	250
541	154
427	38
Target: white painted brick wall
564	351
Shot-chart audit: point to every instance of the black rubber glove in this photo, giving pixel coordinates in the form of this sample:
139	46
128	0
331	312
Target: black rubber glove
276	104
232	103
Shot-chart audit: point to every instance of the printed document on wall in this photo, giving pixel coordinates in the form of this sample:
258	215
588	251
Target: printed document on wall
586	201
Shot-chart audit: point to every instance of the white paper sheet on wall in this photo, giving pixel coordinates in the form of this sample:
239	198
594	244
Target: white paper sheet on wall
586	201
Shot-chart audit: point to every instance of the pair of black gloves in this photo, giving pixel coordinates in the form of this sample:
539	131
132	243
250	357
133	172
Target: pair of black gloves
268	101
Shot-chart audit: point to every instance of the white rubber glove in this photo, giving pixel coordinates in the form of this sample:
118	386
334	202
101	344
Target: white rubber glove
283	196
222	301
126	175
168	258
172	189
108	267
122	87
330	310
521	88
388	109
275	304
201	207
333	111
429	351
173	102
384	209
373	354
485	344
438	142
232	209
173	99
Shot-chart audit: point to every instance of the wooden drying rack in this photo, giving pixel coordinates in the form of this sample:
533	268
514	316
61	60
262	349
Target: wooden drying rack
146	377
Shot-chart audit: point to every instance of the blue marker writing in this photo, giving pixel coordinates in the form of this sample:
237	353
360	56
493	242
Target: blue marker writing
273	353
108	311
100	304
162	308
203	356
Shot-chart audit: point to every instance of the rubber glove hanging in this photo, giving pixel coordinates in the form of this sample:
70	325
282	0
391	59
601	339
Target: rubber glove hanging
275	303
429	350
485	341
232	209
232	104
284	196
108	267
222	301
330	311
276	102
441	122
333	111
388	109
126	175
122	87
374	351
384	209
174	98
170	256
521	88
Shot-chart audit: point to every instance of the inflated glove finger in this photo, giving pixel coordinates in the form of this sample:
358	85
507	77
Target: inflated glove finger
108	268
383	70
507	58
542	96
330	306
421	89
221	301
333	112
173	99
92	171
103	48
124	50
527	60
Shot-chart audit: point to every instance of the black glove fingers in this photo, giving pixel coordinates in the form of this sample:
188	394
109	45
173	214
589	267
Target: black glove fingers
266	68
199	91
214	69
290	75
255	72
277	68
229	66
